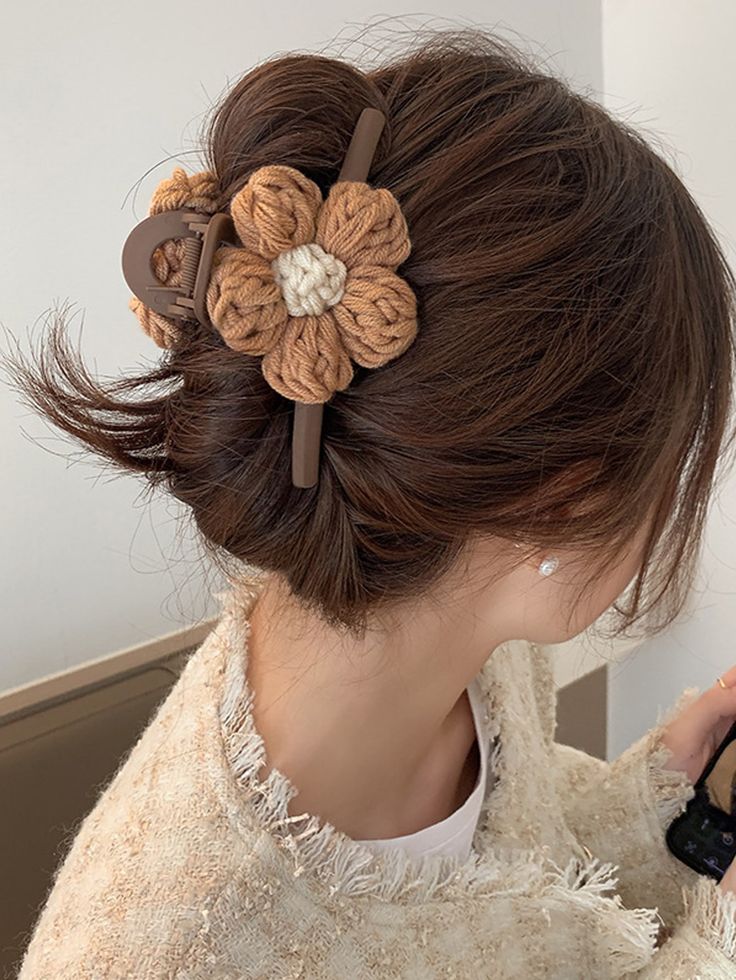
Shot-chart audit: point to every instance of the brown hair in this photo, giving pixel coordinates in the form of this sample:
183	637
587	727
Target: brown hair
573	368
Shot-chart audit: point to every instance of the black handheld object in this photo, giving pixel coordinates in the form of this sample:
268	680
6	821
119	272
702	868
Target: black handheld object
703	836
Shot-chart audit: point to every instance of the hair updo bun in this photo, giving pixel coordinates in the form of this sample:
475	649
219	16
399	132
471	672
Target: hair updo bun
572	370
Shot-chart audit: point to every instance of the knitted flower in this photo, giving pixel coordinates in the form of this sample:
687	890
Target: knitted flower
314	284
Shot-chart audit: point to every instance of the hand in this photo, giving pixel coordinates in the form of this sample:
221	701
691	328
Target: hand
695	734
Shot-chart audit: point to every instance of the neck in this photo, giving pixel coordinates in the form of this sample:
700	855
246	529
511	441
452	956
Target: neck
376	734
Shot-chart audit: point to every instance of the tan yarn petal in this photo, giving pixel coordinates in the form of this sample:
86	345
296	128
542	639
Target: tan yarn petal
309	363
166	261
181	190
198	191
162	331
166	266
377	316
363	225
276	210
244	301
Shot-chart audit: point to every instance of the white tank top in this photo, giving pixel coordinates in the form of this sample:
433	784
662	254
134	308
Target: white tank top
454	834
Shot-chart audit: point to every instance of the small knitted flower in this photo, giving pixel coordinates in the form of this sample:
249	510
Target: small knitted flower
313	285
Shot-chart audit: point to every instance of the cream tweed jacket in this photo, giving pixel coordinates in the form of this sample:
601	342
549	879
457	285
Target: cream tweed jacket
189	868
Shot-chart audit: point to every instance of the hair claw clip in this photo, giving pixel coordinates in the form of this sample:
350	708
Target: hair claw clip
307	425
202	233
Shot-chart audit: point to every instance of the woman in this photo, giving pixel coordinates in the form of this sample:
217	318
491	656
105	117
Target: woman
520	325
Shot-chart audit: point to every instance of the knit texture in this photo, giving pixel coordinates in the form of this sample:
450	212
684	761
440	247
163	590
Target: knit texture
189	867
313	286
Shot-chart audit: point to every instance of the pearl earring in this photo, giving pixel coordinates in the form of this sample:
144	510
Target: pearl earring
548	566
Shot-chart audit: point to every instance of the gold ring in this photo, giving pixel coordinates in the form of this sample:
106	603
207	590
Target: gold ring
720	681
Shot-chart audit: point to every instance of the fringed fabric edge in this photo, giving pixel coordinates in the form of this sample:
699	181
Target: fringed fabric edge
711	912
344	867
629	936
671	788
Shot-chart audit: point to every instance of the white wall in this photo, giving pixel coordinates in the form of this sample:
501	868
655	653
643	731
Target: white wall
93	96
669	67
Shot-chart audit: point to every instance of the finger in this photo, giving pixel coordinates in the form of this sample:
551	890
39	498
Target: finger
719	702
715	703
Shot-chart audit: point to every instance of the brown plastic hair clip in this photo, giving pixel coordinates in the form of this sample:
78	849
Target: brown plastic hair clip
307	431
202	234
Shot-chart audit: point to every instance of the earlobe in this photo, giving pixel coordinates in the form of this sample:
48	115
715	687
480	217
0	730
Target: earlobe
547	566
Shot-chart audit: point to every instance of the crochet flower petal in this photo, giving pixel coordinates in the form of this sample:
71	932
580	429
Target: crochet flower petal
164	332
276	210
363	225
377	316
166	261
181	190
244	302
197	191
309	363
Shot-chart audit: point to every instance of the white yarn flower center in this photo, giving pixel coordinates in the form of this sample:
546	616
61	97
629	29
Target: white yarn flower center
310	279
